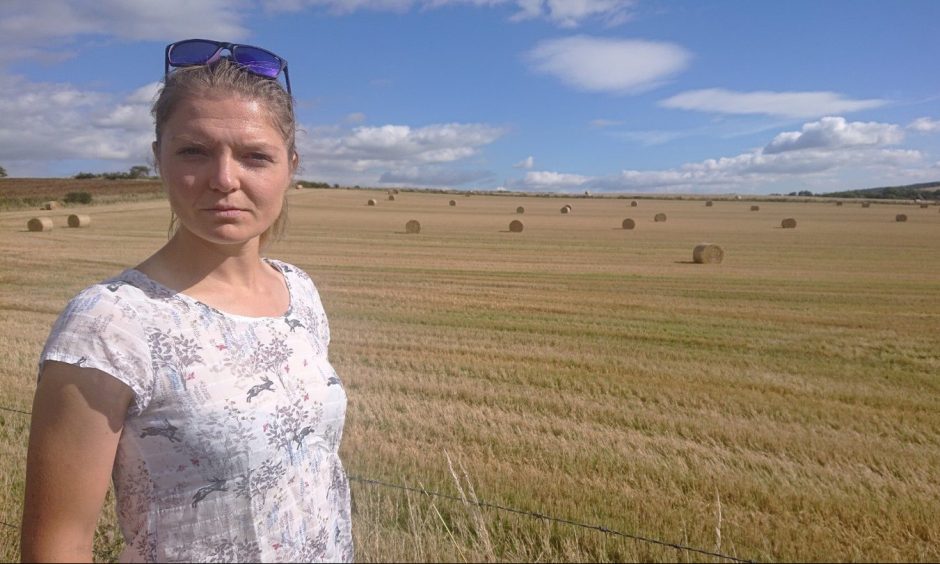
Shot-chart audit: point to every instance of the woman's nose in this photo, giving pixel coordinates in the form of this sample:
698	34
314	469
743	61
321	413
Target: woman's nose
224	177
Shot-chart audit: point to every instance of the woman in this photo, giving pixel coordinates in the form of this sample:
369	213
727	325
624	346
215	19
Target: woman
199	378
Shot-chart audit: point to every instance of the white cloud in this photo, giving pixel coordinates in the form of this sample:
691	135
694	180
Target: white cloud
835	133
822	151
785	104
748	172
52	121
45	30
651	137
564	13
433	176
570	13
548	180
925	125
603	123
355	117
526	163
49	122
397	151
608	65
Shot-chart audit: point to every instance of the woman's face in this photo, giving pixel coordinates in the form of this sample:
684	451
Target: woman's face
225	167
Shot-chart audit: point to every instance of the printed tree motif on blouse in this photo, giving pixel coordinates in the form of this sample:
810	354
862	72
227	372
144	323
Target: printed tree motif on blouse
174	353
215	485
258	482
289	425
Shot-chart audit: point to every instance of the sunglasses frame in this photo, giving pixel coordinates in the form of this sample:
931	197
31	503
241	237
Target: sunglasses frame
231	48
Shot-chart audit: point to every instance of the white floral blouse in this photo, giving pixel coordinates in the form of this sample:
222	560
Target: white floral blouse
230	448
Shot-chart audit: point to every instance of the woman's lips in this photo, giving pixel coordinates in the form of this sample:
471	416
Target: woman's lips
225	211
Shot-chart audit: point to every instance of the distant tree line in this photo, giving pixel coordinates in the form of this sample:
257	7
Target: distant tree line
135	172
309	184
920	191
3	172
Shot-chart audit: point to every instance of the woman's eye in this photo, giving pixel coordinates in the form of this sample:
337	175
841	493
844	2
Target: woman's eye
261	157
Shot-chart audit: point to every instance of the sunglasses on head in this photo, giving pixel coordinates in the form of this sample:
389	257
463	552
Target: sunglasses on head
192	52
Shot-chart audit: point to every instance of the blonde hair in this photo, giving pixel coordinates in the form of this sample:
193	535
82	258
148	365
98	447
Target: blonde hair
230	78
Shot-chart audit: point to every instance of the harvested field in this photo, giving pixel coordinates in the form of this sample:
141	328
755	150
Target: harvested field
581	373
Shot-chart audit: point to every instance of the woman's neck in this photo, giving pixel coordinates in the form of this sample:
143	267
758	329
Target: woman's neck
188	262
230	278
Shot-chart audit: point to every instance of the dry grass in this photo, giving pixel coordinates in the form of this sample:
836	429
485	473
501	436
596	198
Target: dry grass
585	374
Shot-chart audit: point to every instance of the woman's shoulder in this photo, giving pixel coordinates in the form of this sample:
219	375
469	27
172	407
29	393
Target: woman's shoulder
127	288
291	272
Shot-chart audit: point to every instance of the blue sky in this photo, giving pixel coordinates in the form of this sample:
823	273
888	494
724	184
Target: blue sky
631	96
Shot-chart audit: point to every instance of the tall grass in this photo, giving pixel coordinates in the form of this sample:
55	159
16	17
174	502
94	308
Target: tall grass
589	373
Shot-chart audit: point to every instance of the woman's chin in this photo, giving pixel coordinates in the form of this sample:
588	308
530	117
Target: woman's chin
226	234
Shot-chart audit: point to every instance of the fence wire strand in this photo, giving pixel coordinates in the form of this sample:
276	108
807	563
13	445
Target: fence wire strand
15	410
542	516
498	507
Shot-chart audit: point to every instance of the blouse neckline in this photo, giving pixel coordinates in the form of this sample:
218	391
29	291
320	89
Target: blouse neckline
171	293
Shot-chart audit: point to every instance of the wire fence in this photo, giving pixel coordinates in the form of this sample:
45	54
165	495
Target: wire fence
498	507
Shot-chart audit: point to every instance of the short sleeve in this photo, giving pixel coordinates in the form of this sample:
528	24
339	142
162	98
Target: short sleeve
100	329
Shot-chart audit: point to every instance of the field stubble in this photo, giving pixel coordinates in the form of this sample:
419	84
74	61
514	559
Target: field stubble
584	371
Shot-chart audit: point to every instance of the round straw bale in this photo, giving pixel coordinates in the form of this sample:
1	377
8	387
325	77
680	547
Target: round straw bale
866	204
394	190
709	203
788	223
453	202
391	197
924	206
515	226
371	202
76	220
629	223
565	209
50	205
659	217
838	203
39	224
520	209
633	204
900	217
706	253
755	208
413	226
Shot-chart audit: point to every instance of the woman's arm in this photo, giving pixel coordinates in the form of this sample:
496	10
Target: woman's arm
78	415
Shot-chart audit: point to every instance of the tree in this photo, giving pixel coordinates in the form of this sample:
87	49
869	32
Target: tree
3	172
139	171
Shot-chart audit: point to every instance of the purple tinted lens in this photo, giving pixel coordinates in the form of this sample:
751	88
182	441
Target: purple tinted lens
192	52
258	61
